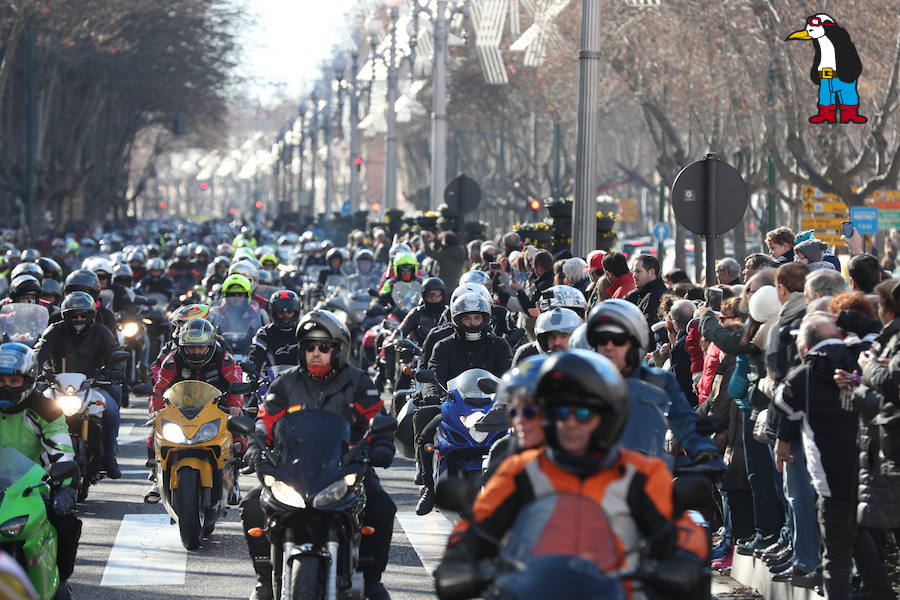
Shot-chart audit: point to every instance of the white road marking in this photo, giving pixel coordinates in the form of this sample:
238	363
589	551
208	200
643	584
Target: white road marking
398	468
427	534
147	551
128	434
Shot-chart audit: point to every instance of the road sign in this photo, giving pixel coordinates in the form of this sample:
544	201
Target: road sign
462	195
865	219
661	232
824	206
345	207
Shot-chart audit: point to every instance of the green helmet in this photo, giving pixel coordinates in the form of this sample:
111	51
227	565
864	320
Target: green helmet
406	259
237	283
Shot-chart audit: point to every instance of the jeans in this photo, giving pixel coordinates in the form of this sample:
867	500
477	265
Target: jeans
801	496
787	530
834	91
768	510
837	520
111	419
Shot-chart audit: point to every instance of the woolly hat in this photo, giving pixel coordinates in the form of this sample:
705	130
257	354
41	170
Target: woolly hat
811	249
764	304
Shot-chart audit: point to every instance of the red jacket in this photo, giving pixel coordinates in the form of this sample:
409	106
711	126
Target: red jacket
221	371
710	368
622	286
692	345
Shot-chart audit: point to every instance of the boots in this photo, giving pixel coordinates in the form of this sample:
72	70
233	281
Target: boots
426	502
849	114
827	114
263	590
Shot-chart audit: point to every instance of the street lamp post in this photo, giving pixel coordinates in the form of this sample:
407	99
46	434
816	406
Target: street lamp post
327	131
584	223
354	133
439	107
390	144
313	151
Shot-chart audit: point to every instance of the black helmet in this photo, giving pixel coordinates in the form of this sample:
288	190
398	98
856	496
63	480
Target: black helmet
17	359
521	380
197	333
334	253
584	378
79	310
51	290
324	325
51	268
430	285
24	285
83	280
284	300
27	268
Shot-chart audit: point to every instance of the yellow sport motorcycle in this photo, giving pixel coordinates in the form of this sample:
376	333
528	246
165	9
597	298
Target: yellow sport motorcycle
195	458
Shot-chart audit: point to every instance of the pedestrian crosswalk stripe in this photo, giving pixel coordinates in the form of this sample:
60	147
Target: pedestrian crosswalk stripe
147	551
427	534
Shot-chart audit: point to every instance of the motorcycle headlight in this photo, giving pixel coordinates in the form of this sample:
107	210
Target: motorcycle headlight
13	527
130	329
284	493
207	431
173	433
331	494
69	405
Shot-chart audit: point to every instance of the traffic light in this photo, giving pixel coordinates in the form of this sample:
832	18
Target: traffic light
358	161
535	205
204	185
163	205
232	211
258	204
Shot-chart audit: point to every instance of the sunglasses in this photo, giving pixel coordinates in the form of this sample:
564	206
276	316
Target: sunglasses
527	412
323	347
605	337
582	414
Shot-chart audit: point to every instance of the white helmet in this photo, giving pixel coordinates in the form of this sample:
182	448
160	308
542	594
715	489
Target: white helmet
469	288
557	320
247	269
468	304
562	296
476	277
98	264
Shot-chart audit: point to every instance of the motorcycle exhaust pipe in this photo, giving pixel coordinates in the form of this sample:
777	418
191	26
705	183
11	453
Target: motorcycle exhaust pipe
331	590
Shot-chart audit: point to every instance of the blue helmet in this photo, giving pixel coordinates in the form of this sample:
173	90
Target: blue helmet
17	359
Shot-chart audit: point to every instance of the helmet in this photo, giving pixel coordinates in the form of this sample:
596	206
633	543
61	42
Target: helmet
78	310
237	284
152	250
324	325
625	316
269	258
284	300
201	250
221	261
83	280
24	285
466	288
520	381
584	378
182	253
118	258
578	340
398	249
247	270
468	304
558	320
197	333
266	277
27	268
137	256
363	254
476	277
405	264
98	265
156	264
243	254
17	359
30	255
123	275
183	314
309	236
50	268
431	284
334	253
52	288
13	254
564	296
224	250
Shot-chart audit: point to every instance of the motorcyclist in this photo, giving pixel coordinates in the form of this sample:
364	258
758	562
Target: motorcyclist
246	238
503	323
276	343
25	289
177	318
35	426
248	269
80	344
365	275
584	471
156	282
179	269
472	346
426	315
200	262
237	313
136	259
86	281
564	296
553	330
216	272
12	258
325	380
269	261
334	261
618	330
404	267
51	293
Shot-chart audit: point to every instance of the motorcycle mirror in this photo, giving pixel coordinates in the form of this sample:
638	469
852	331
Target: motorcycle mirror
426	376
487	385
242	425
373	293
240	387
142	389
382	424
454	494
247	366
690	492
120	356
61	471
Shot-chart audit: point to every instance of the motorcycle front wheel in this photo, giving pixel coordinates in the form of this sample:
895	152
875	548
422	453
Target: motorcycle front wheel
306	578
186	503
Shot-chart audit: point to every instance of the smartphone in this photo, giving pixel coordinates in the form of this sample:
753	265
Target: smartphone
847	229
714	299
494	266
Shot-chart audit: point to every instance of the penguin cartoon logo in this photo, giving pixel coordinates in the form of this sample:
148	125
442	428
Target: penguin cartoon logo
835	69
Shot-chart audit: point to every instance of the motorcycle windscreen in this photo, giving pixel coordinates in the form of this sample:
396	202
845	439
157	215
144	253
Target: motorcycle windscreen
13	466
312	443
334	281
466	384
236	324
406	294
563	524
191	396
22	322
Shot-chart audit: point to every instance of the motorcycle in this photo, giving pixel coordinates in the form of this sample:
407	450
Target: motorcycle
268	375
132	337
407	360
83	407
238	330
23	323
313	498
195	459
27	534
459	447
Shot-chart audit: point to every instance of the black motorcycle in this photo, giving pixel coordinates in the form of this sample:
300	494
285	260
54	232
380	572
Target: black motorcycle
313	498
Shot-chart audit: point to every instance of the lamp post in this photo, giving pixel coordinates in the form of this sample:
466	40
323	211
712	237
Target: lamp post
313	150
439	107
354	132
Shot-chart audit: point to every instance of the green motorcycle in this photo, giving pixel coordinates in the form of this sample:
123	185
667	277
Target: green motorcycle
25	532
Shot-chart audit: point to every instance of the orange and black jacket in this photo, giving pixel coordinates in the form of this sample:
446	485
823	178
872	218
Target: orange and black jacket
601	517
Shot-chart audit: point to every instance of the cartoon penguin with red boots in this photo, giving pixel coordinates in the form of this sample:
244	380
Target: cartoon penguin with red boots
836	67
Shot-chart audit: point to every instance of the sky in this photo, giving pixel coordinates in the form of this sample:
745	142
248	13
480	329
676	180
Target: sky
289	40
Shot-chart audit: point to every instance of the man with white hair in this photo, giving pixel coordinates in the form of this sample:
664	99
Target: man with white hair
810	395
680	315
821	283
728	272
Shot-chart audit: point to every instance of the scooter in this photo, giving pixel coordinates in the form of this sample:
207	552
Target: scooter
27	535
313	497
194	457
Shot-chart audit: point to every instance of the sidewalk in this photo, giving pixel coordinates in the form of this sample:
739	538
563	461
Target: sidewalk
752	573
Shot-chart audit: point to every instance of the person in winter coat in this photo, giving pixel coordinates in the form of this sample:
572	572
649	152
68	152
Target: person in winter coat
781	242
615	265
449	258
650	287
810	253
